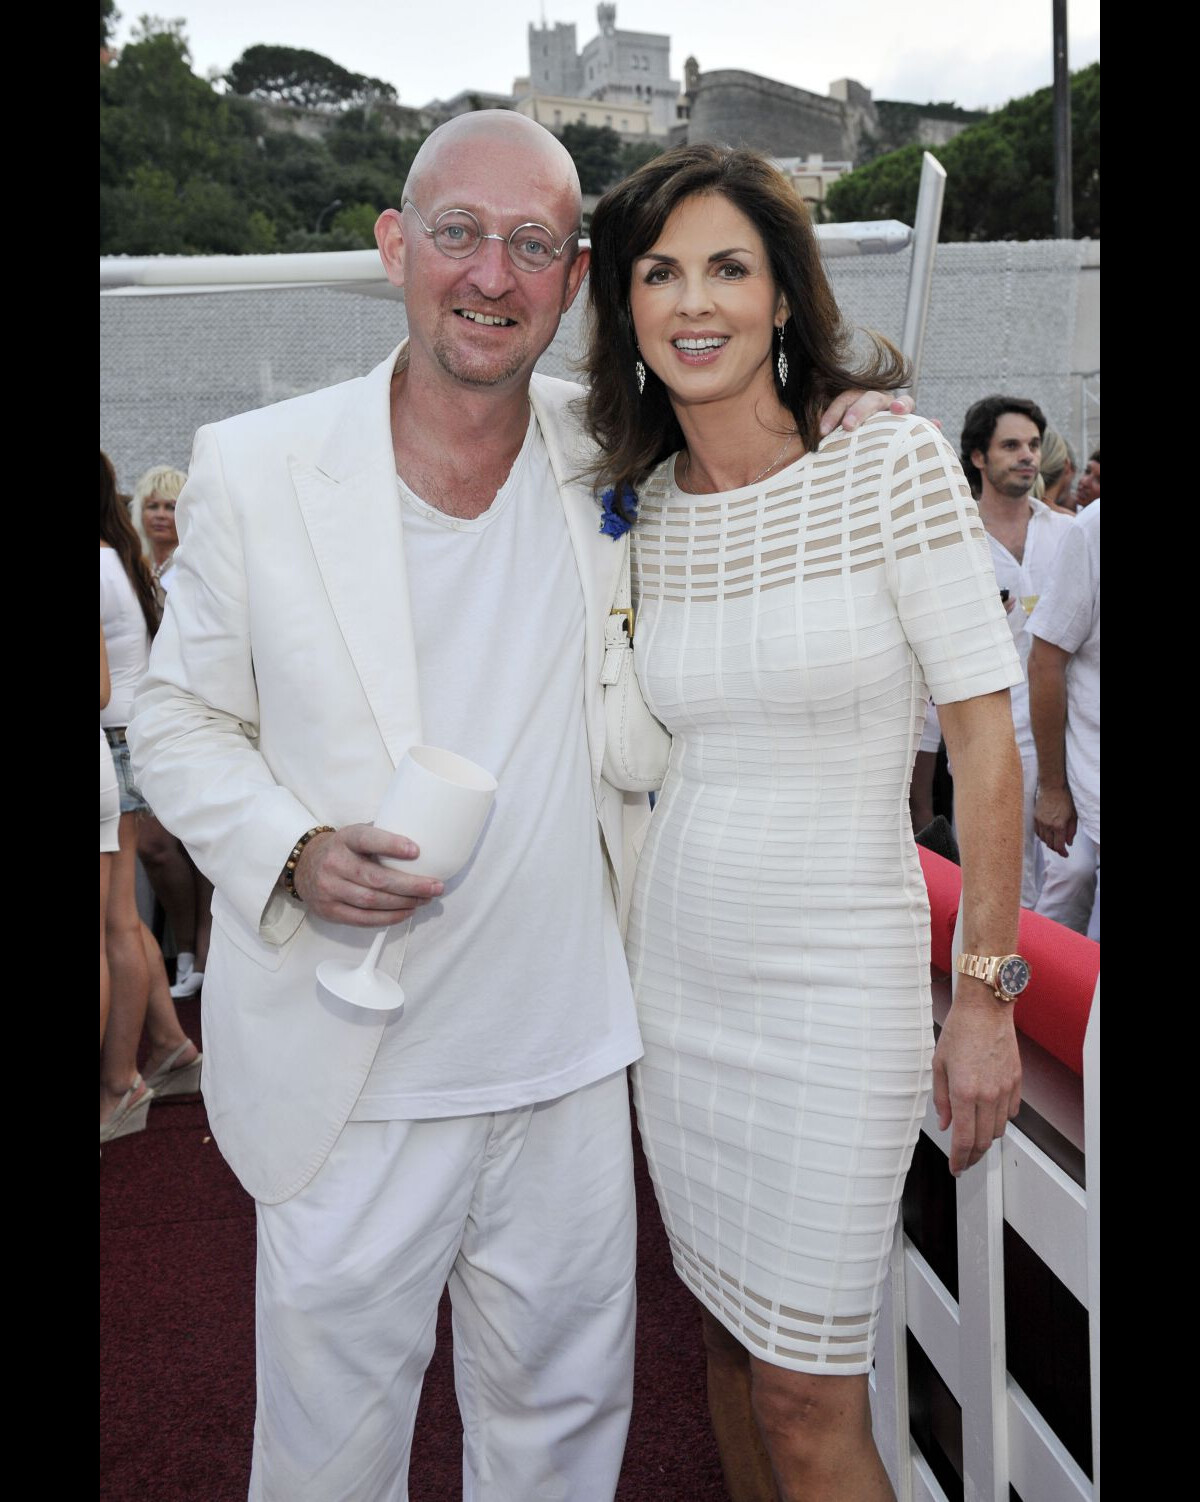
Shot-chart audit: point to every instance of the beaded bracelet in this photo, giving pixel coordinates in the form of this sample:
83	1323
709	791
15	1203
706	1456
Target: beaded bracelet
289	868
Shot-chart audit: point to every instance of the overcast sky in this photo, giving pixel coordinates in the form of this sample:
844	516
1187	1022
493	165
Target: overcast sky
976	53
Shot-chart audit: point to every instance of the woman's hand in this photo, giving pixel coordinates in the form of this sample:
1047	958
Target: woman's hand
976	1072
854	407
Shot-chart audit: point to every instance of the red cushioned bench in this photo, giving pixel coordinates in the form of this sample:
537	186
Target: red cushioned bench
1054	1009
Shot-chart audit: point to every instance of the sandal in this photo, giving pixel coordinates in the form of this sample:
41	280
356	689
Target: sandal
167	1080
131	1112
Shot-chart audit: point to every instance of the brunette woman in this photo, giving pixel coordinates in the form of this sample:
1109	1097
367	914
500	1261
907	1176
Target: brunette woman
798	600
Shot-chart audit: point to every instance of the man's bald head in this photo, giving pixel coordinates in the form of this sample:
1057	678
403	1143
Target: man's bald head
519	146
484	318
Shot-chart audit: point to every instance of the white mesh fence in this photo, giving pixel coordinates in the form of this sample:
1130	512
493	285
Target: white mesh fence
1001	318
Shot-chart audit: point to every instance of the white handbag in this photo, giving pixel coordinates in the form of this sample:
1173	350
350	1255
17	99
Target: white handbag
637	748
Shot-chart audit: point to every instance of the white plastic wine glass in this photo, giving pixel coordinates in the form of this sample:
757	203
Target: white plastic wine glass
440	801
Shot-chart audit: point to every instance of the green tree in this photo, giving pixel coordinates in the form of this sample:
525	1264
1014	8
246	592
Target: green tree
291	75
357	222
178	166
596	152
636	154
999	173
185	170
109	16
155	112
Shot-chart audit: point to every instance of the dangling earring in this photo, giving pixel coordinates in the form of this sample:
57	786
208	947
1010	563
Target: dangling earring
781	364
639	370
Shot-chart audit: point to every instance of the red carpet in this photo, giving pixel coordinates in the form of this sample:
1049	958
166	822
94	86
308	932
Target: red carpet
177	1338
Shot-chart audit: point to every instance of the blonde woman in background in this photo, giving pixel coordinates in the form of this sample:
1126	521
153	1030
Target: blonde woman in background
1056	473
152	512
185	894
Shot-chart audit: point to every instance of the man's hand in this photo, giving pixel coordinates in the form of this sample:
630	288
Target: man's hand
854	407
976	1072
339	878
1054	820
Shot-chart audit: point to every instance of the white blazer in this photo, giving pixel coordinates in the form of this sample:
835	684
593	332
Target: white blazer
281	693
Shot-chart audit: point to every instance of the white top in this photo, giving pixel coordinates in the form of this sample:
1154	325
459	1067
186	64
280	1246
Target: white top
125	638
1025	582
498	622
1068	616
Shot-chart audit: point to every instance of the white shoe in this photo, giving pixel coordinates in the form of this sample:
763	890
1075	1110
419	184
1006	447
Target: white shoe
187	980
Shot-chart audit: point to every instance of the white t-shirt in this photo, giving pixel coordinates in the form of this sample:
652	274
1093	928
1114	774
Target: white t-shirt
1068	616
515	980
126	638
1025	582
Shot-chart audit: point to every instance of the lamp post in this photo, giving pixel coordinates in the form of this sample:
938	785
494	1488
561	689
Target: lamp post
1063	217
328	209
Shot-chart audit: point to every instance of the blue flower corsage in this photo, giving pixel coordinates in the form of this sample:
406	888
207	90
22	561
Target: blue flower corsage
612	523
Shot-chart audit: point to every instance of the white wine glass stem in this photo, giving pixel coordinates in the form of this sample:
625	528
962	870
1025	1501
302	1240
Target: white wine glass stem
371	958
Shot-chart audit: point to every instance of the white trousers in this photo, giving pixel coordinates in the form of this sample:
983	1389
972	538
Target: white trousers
1071	886
529	1214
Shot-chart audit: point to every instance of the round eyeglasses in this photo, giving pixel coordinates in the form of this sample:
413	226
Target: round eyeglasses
458	234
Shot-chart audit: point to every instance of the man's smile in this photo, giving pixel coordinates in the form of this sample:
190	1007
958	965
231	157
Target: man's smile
490	320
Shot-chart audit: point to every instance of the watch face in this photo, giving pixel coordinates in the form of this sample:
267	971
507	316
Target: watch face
1013	976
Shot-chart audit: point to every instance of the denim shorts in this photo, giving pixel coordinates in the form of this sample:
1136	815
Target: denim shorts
132	801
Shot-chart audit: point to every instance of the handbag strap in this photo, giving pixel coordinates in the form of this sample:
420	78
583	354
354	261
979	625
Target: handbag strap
618	625
623	598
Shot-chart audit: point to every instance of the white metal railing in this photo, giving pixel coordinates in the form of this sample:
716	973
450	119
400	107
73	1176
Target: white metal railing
1089	413
362	270
1005	1439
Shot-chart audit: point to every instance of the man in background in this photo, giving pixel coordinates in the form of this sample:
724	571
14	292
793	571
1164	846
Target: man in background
1001	453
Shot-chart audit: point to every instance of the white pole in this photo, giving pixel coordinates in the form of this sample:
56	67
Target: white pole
920	277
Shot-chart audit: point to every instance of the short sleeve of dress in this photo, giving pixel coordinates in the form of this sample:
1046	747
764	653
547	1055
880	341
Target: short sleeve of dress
941	569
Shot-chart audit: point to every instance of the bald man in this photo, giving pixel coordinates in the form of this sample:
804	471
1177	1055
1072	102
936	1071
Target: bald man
415	557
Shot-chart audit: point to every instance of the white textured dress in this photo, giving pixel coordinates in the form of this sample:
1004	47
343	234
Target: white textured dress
788	634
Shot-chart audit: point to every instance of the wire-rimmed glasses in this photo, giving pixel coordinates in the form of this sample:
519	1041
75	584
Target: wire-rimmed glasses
458	234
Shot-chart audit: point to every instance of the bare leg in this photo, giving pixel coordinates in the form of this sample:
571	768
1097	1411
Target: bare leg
818	1434
162	1021
130	980
172	876
744	1459
105	979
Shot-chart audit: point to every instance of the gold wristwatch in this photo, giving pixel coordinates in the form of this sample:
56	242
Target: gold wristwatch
1007	974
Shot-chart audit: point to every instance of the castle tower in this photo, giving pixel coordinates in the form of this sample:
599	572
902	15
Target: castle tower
554	61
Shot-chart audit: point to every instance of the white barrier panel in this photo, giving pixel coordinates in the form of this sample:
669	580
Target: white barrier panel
1005	1439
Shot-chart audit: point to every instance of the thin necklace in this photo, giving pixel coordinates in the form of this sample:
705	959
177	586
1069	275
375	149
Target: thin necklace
687	460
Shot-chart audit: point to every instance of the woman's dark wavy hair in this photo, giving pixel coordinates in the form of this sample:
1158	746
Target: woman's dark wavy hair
117	530
635	433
